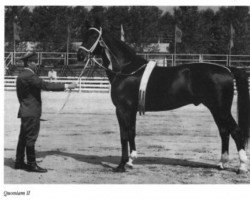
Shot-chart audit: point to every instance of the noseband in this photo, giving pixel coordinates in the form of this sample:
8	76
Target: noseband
96	42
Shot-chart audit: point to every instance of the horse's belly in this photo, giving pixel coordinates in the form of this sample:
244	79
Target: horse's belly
168	95
163	104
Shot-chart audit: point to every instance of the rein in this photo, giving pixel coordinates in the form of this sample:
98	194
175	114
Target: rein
78	80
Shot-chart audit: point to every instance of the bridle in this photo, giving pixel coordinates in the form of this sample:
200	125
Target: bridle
108	52
96	42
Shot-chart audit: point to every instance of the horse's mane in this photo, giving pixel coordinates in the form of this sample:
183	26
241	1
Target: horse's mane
130	53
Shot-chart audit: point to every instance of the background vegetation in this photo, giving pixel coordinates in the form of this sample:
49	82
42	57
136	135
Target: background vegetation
203	31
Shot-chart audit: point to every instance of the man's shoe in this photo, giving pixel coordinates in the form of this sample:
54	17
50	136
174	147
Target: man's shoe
21	165
35	168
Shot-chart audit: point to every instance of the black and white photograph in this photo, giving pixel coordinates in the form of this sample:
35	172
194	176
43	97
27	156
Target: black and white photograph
108	94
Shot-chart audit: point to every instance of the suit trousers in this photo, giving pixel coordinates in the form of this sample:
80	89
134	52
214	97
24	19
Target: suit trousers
29	131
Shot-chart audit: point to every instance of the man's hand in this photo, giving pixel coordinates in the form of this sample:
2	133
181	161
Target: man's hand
70	86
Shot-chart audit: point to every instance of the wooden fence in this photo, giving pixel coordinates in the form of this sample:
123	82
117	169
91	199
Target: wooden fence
163	59
93	84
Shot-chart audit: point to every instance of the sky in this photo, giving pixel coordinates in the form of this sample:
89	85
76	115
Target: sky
171	8
163	8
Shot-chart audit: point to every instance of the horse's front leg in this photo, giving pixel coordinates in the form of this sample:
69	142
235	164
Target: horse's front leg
124	119
132	134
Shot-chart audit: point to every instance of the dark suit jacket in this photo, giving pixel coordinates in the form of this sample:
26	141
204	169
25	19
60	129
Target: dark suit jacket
28	87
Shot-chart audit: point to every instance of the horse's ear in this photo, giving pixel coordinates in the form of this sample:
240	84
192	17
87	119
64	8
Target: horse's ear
87	24
97	23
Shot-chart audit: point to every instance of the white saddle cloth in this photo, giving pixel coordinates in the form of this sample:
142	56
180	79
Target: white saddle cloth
143	86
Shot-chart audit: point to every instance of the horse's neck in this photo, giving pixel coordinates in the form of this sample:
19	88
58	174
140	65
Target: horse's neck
110	76
121	58
106	64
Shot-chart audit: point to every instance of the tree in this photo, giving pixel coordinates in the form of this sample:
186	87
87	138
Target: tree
226	16
186	18
203	31
98	12
117	15
166	28
77	18
21	16
204	39
50	24
240	19
143	25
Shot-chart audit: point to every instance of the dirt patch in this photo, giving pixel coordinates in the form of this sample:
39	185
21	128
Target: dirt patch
175	147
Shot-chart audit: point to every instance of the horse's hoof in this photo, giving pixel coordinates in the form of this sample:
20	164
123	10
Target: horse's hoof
133	155
119	169
241	171
220	166
129	166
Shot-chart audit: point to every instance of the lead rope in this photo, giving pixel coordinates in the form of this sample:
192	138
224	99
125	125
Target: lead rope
78	81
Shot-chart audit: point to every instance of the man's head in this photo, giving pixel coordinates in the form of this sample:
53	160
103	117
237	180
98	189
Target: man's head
32	66
28	61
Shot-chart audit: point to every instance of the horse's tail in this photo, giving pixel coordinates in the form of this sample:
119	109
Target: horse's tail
243	102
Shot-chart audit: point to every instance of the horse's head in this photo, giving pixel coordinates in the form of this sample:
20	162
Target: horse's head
115	54
90	44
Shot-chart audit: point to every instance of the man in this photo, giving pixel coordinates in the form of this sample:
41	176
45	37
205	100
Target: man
52	75
28	87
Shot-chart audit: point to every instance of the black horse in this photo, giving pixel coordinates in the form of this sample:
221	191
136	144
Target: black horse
169	88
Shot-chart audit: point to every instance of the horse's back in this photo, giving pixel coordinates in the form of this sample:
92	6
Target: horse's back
195	83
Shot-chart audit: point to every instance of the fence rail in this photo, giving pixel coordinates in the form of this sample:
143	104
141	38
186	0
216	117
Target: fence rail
85	84
163	59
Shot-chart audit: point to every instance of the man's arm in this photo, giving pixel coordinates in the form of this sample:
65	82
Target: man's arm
41	84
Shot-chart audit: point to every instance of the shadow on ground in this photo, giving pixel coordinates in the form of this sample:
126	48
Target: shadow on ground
97	160
9	162
94	159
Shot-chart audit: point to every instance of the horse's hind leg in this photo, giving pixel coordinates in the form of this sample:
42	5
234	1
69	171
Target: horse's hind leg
240	143
224	127
227	125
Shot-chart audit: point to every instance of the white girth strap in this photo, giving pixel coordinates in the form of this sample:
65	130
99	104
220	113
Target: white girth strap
143	86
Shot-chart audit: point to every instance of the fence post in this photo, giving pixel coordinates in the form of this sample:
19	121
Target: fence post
14	59
40	57
172	59
80	84
165	62
200	58
65	58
